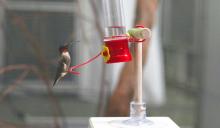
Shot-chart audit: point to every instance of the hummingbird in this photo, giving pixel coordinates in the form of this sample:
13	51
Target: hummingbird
63	63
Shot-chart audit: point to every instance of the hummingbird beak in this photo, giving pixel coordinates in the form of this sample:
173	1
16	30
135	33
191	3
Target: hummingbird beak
71	43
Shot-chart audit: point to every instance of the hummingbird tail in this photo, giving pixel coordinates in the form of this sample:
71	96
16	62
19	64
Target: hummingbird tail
56	81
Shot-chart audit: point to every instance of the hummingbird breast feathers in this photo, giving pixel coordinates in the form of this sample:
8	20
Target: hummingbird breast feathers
66	59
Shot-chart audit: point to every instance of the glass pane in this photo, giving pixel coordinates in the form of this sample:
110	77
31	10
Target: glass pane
34	38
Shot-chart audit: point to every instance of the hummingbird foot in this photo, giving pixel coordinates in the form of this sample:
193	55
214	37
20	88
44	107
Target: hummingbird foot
73	72
71	69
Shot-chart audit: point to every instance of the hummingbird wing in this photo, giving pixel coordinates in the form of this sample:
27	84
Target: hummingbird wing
59	72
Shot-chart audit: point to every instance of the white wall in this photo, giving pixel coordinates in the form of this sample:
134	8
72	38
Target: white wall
211	90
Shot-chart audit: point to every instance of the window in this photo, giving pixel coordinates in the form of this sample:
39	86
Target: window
33	32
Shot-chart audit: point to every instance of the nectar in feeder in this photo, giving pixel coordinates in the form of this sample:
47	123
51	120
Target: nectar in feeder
116	49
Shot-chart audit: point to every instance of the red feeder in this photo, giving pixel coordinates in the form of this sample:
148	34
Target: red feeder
116	49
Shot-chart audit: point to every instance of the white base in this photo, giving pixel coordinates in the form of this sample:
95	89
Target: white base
107	122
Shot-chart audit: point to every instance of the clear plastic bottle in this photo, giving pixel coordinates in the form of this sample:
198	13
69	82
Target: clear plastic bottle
114	17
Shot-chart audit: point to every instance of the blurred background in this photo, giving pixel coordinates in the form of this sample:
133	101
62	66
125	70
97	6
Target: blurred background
32	30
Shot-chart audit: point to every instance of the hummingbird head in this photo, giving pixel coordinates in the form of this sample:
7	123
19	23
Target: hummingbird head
63	48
